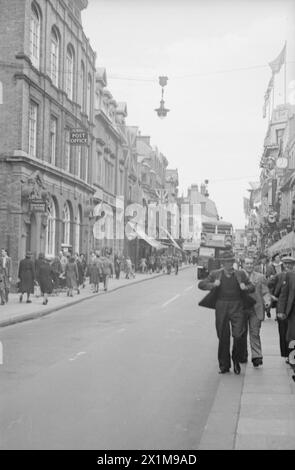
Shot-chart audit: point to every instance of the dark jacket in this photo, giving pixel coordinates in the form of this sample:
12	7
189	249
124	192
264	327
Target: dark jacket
286	304
275	286
26	273
210	299
44	276
287	298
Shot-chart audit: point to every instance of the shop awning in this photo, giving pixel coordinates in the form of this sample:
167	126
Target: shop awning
137	230
286	243
171	238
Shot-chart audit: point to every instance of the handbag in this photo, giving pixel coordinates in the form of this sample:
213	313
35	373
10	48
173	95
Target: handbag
37	291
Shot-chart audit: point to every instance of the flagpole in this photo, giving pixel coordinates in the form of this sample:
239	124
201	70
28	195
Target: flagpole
285	76
273	94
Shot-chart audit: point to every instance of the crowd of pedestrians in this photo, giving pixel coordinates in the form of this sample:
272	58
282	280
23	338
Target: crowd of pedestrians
161	263
241	293
67	272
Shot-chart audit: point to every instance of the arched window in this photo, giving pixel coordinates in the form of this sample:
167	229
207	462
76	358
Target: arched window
54	56
89	89
82	86
35	27
66	222
51	229
70	72
78	231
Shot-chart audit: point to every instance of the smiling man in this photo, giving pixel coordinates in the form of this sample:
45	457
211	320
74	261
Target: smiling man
229	297
255	315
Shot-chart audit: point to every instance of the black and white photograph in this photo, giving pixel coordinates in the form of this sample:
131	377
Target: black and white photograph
147	228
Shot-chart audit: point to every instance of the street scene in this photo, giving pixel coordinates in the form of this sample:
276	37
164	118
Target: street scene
147	225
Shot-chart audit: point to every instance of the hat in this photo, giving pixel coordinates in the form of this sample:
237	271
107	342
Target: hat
28	253
227	256
288	259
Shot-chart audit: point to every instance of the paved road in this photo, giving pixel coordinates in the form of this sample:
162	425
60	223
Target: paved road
135	369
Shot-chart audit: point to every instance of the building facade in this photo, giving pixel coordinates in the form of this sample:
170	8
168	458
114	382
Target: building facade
271	210
47	70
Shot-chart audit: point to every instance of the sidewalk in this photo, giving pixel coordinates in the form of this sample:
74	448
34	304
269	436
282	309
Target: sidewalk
255	410
16	312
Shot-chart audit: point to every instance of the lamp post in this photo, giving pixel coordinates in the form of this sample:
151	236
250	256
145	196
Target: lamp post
162	111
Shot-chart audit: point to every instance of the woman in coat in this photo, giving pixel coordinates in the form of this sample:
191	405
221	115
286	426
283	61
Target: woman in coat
44	277
92	271
72	275
26	274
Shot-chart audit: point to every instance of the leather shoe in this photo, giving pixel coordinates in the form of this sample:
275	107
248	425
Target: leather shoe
257	361
223	370
237	368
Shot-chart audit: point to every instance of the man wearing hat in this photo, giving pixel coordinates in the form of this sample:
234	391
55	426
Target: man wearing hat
26	274
285	294
255	314
228	296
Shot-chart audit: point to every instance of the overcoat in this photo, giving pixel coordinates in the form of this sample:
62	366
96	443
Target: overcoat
26	273
71	273
209	301
44	276
286	304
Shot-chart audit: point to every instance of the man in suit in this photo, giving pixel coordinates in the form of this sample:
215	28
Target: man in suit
286	307
6	265
276	284
229	289
255	315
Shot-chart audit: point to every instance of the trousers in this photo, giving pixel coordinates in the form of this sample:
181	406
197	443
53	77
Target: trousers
253	324
229	319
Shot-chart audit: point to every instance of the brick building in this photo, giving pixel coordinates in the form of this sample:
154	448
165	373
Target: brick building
47	71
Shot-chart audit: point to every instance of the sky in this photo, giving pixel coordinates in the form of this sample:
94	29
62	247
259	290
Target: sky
215	54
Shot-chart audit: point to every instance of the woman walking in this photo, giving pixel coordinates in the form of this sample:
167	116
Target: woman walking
44	277
72	275
26	274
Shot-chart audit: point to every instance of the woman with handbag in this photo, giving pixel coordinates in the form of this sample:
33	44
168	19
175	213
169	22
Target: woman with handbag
44	277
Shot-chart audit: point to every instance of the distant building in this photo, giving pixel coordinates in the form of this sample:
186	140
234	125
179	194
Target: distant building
196	196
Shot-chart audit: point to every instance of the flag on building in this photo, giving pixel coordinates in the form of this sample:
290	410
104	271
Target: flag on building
276	64
246	206
267	95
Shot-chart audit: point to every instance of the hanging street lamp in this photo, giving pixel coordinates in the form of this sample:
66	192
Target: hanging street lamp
162	111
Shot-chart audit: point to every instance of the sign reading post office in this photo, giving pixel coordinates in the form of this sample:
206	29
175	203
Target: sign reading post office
78	137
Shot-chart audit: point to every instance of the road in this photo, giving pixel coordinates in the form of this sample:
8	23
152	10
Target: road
134	369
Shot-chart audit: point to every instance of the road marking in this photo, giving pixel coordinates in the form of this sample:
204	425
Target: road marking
77	355
171	300
188	288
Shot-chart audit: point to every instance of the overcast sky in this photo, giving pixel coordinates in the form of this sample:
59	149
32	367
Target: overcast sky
214	129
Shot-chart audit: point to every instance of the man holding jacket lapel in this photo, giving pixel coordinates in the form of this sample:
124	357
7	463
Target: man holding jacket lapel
229	296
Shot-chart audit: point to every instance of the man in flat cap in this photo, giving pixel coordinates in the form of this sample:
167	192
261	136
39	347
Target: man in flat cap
229	297
286	306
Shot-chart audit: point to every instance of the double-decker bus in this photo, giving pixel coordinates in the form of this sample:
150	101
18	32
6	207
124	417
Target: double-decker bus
216	237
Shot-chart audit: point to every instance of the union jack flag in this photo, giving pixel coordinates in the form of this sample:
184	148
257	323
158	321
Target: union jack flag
162	195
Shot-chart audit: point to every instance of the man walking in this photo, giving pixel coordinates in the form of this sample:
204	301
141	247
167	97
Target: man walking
6	265
286	309
276	285
255	314
229	297
107	270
